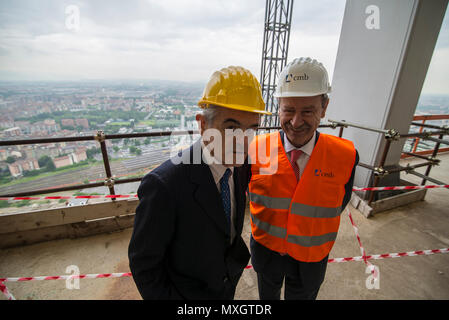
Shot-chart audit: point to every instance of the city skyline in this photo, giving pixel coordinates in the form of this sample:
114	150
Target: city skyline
169	40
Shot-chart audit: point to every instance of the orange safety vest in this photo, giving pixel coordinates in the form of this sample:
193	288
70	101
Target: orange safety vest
301	218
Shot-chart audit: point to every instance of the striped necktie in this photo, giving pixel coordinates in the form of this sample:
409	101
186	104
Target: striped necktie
226	195
294	156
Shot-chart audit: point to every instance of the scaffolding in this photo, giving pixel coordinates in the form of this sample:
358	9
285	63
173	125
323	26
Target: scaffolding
278	18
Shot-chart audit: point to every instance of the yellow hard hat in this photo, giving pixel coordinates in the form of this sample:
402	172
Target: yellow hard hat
234	88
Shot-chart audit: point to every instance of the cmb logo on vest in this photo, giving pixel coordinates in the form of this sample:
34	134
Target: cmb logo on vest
319	173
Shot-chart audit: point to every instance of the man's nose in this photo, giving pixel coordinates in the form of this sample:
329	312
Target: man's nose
297	120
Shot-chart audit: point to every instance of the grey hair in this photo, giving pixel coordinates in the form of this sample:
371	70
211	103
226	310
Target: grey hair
324	99
210	113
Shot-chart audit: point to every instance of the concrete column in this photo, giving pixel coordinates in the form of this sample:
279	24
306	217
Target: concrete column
384	52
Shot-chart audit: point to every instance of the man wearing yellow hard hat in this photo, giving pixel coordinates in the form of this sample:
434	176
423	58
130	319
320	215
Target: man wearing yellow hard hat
295	211
186	242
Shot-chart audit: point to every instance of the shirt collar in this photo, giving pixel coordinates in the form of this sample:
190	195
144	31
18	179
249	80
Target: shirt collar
217	169
307	148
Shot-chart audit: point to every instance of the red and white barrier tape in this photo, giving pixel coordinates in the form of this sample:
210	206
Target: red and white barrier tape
72	197
9	296
362	250
363	257
402	187
128	274
6	292
390	255
135	195
65	277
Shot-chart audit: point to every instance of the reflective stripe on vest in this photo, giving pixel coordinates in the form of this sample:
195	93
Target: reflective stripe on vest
314	212
297	208
314	241
274	231
269	202
305	241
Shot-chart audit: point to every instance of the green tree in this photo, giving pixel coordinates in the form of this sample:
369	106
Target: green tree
4	204
46	163
50	166
10	159
31	173
43	161
21	203
92	151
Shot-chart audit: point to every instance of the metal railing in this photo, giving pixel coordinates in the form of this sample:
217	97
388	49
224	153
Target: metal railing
422	125
378	171
391	135
101	138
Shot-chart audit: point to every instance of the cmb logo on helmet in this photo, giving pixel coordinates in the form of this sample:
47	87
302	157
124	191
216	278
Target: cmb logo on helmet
289	77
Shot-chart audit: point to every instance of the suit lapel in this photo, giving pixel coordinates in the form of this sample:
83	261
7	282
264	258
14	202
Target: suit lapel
239	204
206	194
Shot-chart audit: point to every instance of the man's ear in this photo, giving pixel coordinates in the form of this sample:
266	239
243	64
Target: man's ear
323	111
201	122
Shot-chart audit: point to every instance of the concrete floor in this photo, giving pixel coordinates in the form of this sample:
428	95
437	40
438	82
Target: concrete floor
417	226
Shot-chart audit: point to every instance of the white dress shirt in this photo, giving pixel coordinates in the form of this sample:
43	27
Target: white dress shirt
218	171
306	149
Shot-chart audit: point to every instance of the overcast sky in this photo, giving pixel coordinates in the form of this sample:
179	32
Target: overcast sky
169	40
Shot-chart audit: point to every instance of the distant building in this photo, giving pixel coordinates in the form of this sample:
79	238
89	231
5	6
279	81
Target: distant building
49	122
12	132
75	122
82	122
30	152
67	122
77	156
6	122
24	126
17	168
16	153
47	126
62	161
122	130
77	107
4	154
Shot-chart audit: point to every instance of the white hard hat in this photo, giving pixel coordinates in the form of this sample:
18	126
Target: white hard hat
302	77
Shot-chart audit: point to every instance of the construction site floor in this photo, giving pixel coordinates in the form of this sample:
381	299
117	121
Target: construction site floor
417	226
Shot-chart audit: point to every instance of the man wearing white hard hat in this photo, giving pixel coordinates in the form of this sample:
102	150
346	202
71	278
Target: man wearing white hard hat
295	211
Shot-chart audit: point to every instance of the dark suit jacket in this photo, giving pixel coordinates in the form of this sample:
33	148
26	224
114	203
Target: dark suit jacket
267	261
180	247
